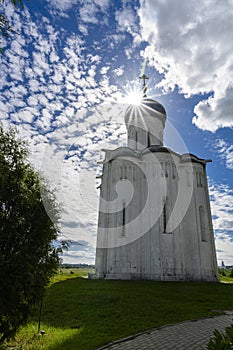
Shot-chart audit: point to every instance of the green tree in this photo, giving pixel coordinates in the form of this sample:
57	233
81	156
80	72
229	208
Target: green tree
28	257
5	28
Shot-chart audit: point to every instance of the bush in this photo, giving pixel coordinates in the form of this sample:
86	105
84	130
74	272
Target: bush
222	341
222	272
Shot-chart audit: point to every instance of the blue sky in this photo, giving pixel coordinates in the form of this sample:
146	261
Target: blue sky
65	76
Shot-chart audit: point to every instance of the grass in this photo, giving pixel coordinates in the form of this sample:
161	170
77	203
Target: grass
82	314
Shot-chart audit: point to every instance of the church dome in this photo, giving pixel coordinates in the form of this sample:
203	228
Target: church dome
147	102
147	107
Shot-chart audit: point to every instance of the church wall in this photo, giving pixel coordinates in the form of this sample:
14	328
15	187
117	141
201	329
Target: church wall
143	133
204	227
178	253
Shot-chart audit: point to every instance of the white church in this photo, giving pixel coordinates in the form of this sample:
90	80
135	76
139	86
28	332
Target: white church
154	211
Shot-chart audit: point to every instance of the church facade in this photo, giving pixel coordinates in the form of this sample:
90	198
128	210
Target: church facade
154	212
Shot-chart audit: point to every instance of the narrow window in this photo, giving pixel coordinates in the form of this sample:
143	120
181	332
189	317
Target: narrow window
202	224
188	178
201	184
162	171
164	218
148	139
123	219
124	172
166	169
134	173
198	179
121	170
123	216
173	171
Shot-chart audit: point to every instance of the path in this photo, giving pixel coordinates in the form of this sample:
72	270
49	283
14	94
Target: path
190	335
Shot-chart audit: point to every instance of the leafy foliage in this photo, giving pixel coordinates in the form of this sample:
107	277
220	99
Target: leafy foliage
221	272
222	341
5	27
27	255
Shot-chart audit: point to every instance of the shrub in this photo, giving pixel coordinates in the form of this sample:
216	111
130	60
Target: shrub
221	341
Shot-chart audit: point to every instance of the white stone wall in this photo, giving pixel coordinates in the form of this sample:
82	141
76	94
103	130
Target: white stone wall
155	220
145	127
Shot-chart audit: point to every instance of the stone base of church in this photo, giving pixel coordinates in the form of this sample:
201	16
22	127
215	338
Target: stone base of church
154	277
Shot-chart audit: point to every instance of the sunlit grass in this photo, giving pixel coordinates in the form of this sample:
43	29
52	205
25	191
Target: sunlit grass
65	273
54	338
82	314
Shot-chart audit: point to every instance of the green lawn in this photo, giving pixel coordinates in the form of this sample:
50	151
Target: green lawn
82	314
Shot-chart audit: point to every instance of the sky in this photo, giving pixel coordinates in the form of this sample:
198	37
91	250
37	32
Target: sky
65	76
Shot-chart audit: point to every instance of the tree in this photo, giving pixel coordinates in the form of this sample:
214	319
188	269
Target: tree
28	257
5	29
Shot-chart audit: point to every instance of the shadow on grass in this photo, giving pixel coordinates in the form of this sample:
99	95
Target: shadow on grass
103	311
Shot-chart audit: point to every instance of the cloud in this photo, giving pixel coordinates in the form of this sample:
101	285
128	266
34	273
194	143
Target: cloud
90	12
63	5
225	151
126	19
60	8
215	112
224	249
190	45
49	93
221	199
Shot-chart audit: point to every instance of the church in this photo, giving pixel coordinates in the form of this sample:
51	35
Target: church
154	211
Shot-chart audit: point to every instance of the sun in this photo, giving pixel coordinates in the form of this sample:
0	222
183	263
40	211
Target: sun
134	98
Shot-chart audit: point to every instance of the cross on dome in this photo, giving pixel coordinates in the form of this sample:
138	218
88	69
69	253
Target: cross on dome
144	86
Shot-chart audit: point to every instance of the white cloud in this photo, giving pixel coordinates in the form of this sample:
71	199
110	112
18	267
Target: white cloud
221	199
119	71
225	151
224	250
46	92
126	19
88	13
63	5
60	8
104	70
221	206
190	44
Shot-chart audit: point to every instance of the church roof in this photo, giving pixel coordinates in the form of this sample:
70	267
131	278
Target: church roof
146	108
158	148
124	152
147	102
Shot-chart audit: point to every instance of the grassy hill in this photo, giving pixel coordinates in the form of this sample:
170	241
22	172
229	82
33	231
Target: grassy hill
82	314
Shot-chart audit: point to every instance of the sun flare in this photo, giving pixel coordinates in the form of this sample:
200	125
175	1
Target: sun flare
134	98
